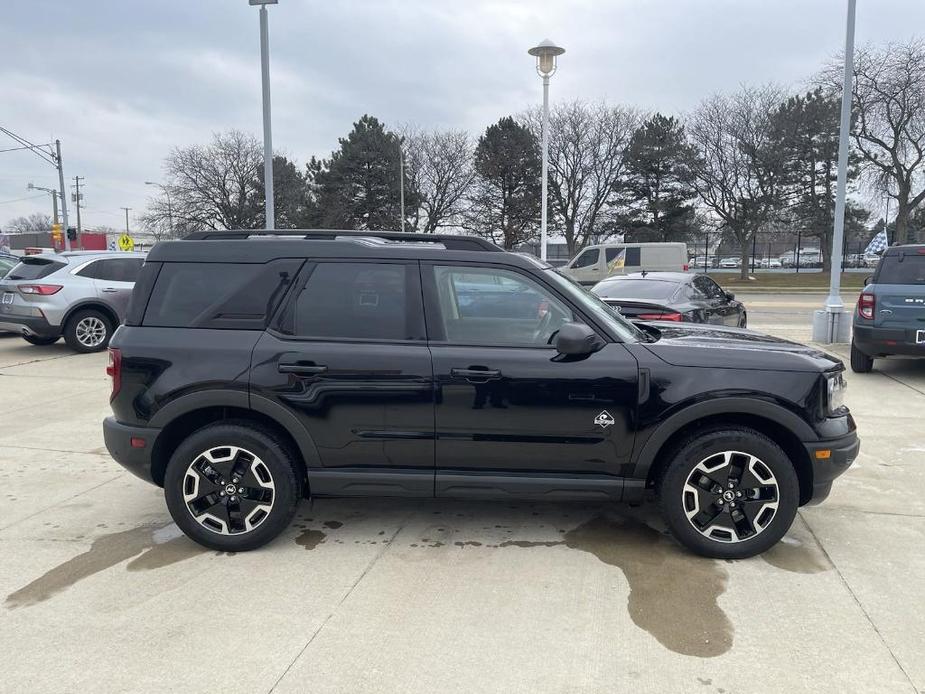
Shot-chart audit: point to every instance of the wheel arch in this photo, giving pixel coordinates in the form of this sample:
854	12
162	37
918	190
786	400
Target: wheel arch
783	427
95	304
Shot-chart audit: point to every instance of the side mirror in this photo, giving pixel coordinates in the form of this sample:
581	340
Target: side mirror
730	296
577	339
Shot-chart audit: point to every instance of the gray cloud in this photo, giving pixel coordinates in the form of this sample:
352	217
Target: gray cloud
121	82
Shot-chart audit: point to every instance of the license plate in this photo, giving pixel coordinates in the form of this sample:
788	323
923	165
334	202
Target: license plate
8	298
920	337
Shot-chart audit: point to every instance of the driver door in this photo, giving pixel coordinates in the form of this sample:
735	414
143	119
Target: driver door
506	400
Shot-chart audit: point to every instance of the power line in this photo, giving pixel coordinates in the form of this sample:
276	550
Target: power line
30	197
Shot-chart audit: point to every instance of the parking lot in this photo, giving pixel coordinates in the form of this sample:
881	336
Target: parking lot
101	593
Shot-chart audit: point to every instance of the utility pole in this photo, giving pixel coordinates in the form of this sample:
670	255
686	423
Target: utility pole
401	165
77	196
63	193
127	210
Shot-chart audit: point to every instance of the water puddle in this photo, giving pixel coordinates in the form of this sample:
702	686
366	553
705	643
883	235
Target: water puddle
792	555
309	539
157	548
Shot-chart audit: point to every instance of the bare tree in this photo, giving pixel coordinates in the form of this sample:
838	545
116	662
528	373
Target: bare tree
438	164
38	221
889	121
587	146
216	186
737	168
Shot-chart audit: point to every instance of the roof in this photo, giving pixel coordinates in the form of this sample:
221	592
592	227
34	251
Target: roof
678	277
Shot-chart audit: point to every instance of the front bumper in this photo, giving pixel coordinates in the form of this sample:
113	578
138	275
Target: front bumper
830	458
118	438
881	342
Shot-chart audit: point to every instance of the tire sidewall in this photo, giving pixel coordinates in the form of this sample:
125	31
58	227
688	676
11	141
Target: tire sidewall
279	463
697	449
70	331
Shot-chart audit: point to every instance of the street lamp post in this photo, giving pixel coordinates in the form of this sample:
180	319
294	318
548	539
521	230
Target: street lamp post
832	324
166	191
546	55
401	166
54	199
267	134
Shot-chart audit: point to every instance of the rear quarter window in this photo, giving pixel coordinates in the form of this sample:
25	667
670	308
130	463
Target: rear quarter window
240	296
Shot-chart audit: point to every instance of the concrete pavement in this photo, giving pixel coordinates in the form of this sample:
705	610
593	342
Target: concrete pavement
99	592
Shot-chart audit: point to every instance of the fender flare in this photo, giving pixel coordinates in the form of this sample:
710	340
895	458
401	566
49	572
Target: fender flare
97	304
710	408
241	400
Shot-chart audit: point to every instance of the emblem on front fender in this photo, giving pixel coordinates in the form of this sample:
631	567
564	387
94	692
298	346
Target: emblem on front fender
604	419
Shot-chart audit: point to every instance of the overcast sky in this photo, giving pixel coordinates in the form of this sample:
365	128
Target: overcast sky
121	82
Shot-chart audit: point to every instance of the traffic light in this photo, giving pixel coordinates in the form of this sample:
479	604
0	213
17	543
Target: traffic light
71	234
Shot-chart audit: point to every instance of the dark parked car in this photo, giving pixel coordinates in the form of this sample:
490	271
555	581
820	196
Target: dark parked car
672	296
248	374
890	316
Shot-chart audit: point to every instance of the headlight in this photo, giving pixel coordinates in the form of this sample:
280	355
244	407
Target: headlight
836	385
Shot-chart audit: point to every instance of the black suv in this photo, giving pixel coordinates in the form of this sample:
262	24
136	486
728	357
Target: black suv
255	368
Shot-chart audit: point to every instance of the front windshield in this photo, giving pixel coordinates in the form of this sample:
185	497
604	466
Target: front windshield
622	328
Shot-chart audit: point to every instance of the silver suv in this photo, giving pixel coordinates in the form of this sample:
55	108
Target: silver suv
80	295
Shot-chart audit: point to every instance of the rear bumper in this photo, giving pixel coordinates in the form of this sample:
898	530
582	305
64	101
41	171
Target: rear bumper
836	457
881	342
28	325
118	438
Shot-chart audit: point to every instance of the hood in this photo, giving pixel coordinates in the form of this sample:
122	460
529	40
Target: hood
692	344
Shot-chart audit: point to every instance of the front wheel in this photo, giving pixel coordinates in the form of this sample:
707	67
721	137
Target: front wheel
729	493
232	486
860	362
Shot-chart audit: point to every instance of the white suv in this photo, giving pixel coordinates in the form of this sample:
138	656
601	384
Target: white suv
80	295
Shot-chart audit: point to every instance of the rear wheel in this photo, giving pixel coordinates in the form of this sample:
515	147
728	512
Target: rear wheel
729	493
860	362
743	321
88	331
232	487
38	340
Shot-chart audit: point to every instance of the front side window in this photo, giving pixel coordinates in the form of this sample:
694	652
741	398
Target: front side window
587	259
709	288
356	301
496	307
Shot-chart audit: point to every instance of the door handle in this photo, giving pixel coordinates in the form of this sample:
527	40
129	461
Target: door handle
301	368
110	290
476	375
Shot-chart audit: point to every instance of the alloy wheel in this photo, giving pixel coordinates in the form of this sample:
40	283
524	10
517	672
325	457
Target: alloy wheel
90	331
730	496
228	490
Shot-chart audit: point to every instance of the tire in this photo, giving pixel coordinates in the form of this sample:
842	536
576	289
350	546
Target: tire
860	362
37	340
729	453
266	468
743	321
88	330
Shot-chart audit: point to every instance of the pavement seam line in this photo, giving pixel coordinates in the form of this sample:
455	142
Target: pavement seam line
857	601
63	501
324	623
52	450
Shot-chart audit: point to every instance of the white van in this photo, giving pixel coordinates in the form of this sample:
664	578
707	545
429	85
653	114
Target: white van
594	263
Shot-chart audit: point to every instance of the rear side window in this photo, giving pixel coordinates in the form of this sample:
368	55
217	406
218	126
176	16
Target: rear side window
358	301
901	269
239	296
113	269
633	256
34	269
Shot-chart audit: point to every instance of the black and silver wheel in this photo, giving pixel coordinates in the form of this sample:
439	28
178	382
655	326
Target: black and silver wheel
729	493
232	486
38	340
88	331
860	362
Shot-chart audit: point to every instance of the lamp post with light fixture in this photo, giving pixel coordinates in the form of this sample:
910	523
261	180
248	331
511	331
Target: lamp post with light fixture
267	134
546	61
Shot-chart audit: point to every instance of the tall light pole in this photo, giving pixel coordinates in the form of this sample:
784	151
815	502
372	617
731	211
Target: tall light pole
267	134
401	166
546	55
832	324
54	199
166	191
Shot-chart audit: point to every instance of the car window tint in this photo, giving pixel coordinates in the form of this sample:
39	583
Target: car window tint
6	266
633	256
114	269
34	269
588	258
219	295
636	289
496	307
901	269
708	287
610	254
354	301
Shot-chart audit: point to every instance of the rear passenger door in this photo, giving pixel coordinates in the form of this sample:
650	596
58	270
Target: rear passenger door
114	279
347	355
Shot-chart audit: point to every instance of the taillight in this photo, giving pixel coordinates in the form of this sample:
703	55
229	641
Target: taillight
676	317
685	267
114	371
866	305
43	289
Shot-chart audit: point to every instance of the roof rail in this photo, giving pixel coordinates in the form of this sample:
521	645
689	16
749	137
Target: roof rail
449	241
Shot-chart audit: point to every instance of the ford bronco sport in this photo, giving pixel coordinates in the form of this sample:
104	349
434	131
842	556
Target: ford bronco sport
257	368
